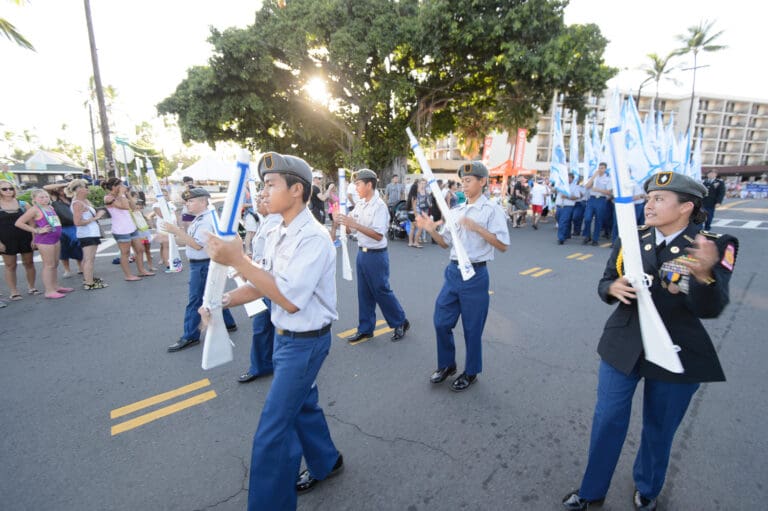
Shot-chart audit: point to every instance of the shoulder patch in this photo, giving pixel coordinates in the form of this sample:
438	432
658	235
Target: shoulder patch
643	227
729	256
710	235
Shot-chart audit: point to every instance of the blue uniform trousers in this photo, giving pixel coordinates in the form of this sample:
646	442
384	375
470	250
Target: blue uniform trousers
262	342
292	424
565	218
198	272
470	300
710	217
578	217
373	288
664	406
595	211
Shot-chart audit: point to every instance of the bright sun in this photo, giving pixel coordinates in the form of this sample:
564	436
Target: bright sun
317	91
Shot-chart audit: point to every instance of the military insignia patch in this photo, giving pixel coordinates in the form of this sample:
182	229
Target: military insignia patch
466	169
729	258
268	162
663	178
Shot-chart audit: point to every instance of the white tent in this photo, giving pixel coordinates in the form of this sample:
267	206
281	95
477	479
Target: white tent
208	168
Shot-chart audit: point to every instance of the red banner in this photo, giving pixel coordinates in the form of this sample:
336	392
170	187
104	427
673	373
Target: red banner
487	149
517	160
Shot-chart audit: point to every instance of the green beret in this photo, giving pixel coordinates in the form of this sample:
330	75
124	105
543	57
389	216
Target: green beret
194	193
364	174
475	168
675	182
275	163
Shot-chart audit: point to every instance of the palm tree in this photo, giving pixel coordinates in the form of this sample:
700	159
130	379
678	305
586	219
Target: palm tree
659	69
8	30
699	38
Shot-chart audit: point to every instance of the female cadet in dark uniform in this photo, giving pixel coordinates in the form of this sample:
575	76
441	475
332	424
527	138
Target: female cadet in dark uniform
690	272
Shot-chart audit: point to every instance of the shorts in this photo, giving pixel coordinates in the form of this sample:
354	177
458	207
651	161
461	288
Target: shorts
90	241
18	244
537	208
124	238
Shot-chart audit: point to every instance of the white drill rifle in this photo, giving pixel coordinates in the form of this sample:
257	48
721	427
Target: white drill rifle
346	267
465	265
256	306
657	344
218	346
174	259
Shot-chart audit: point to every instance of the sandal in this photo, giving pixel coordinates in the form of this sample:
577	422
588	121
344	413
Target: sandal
34	292
16	297
146	274
64	290
133	278
96	285
55	296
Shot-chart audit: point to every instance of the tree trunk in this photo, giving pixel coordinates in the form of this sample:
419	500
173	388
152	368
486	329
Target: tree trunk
110	162
693	92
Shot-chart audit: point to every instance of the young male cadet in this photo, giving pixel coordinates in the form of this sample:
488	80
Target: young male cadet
299	277
565	211
600	188
370	220
196	237
482	227
263	329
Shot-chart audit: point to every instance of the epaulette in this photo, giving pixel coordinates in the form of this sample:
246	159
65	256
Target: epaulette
643	227
710	235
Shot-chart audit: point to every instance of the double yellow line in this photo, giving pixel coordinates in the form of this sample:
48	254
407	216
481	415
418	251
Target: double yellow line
376	333
160	412
536	271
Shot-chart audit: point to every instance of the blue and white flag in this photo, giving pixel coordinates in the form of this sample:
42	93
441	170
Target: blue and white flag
597	148
695	167
685	153
573	150
590	154
558	168
640	156
671	149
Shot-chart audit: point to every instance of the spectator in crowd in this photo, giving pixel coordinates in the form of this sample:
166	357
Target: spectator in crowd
15	241
394	192
187	184
42	221
251	221
140	219
162	237
86	218
539	193
520	192
332	198
120	204
317	198
70	247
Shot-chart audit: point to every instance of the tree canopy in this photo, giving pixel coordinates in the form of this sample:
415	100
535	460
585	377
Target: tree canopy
441	66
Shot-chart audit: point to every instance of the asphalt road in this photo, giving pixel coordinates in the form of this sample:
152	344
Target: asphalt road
517	439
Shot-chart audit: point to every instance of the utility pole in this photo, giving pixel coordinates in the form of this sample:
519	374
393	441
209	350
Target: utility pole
93	142
110	164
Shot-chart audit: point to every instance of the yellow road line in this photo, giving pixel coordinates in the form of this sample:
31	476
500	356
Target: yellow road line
732	204
531	270
542	272
574	256
347	333
165	396
162	412
585	257
376	333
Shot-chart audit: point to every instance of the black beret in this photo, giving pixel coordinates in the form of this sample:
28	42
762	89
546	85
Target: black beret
275	163
193	193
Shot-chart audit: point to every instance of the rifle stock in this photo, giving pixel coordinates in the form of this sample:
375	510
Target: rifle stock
465	265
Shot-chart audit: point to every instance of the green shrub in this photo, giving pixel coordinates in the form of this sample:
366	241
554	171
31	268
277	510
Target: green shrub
26	197
96	196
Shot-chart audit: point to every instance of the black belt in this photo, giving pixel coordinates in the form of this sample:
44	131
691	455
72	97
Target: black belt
475	265
304	335
366	249
199	260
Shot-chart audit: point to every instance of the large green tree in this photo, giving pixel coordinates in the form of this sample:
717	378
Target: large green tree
441	66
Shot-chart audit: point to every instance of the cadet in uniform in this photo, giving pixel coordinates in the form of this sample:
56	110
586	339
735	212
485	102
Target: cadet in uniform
715	195
370	220
299	277
599	188
263	330
690	273
482	226
196	201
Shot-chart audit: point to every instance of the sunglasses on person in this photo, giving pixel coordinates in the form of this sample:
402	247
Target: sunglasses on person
6	189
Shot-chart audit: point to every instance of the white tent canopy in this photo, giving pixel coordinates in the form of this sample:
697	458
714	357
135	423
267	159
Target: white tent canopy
208	168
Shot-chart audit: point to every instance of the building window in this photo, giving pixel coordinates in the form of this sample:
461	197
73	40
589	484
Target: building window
755	109
662	105
751	135
725	133
722	147
720	159
729	106
703	104
745	160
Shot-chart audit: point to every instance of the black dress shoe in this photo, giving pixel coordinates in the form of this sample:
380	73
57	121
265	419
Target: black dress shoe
232	328
573	502
247	377
306	482
441	374
181	344
359	336
463	382
642	503
400	331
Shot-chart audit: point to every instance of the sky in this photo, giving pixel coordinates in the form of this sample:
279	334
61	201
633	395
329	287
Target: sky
146	46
